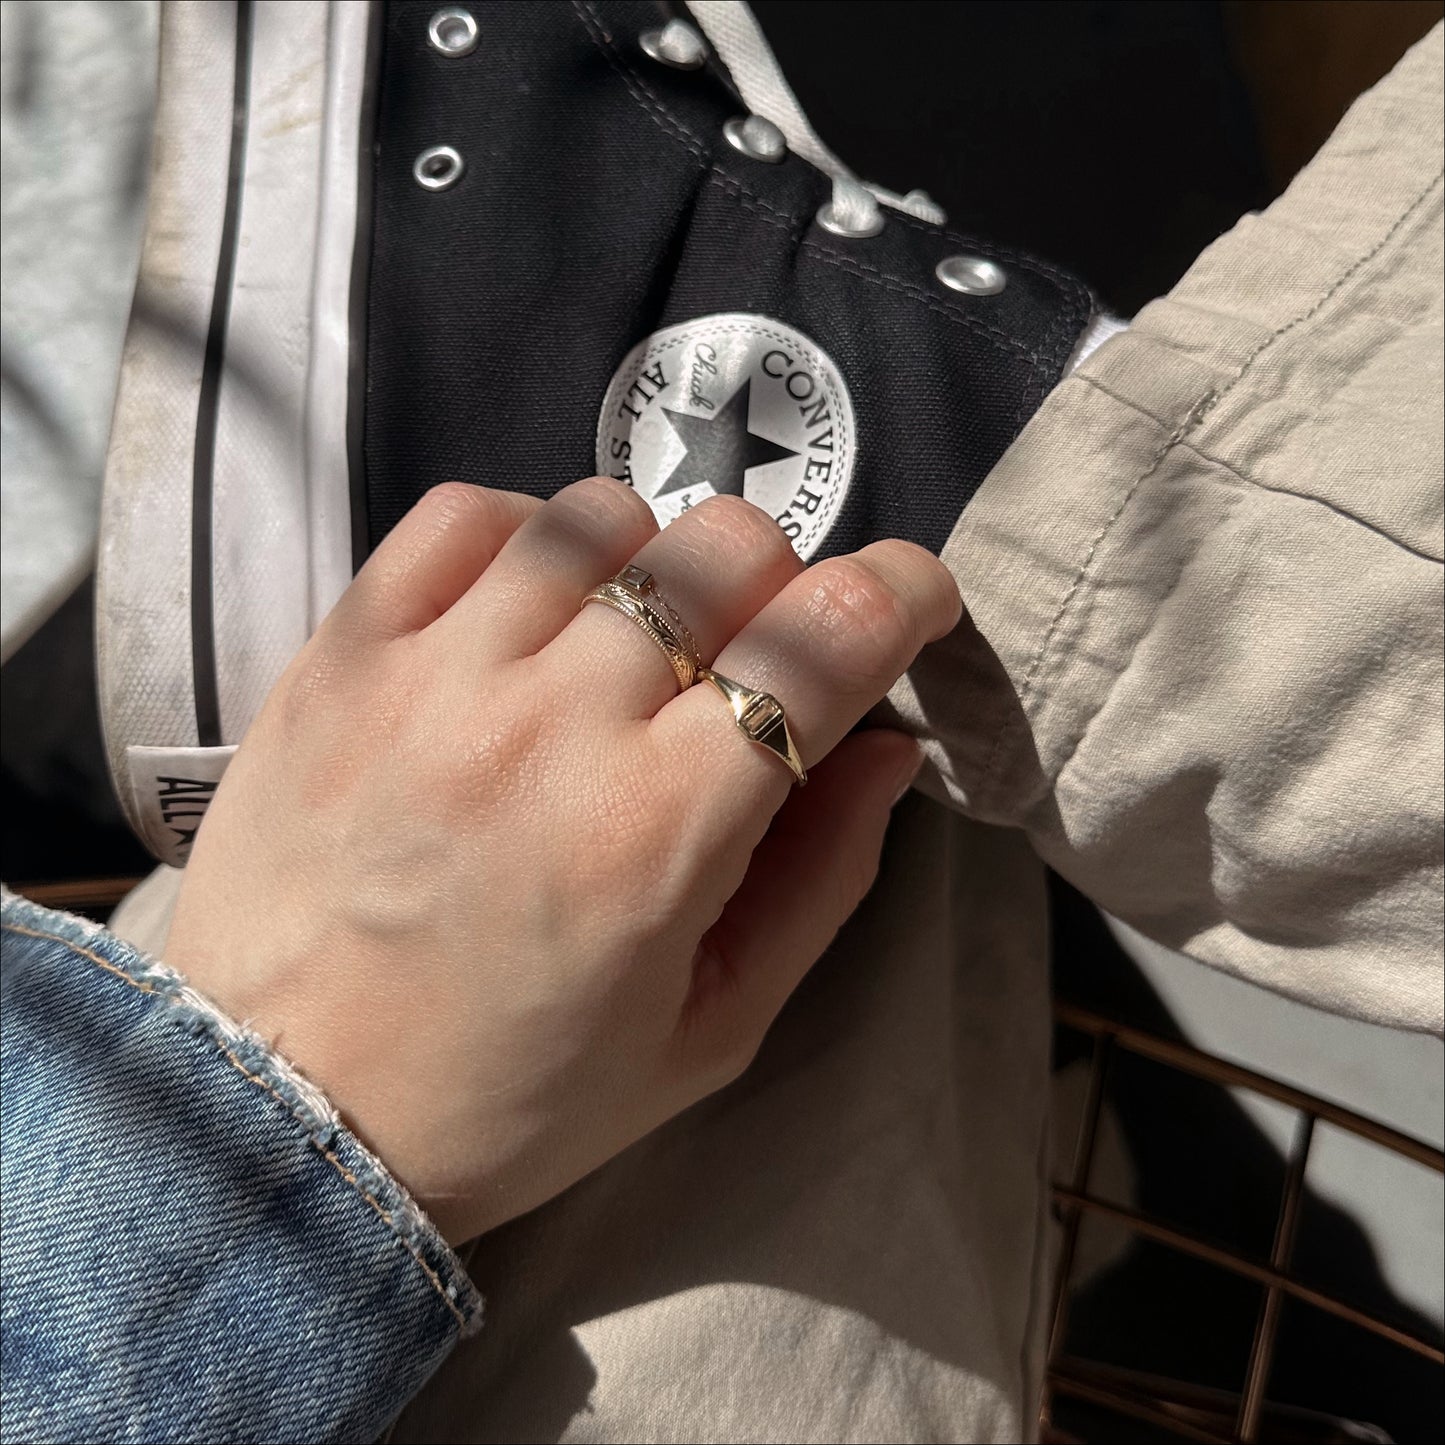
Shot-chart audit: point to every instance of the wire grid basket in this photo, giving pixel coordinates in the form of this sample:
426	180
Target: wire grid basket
1180	1410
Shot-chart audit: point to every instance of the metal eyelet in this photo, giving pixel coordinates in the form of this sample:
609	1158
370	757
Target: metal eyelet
828	222
972	275
438	168
453	31
676	44
756	138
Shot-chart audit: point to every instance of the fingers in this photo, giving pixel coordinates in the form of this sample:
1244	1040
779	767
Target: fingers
717	565
810	872
430	558
828	647
578	538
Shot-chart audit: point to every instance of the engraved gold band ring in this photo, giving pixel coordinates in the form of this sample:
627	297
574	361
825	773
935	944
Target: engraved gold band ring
634	594
759	715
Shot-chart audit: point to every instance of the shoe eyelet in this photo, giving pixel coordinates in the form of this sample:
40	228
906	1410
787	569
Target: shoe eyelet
453	32
438	168
826	219
973	275
676	44
756	138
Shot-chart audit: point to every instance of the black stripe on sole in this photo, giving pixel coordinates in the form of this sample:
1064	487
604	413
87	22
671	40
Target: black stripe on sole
203	466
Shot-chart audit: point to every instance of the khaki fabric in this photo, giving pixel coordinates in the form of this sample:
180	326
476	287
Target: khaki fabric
847	1245
1204	670
1203	673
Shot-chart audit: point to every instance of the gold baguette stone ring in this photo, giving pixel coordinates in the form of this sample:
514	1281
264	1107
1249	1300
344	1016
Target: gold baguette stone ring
760	719
634	594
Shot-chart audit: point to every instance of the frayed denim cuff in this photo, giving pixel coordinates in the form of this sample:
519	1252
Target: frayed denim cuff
195	1246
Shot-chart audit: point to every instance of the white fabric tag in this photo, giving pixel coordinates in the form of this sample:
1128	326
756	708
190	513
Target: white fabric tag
172	788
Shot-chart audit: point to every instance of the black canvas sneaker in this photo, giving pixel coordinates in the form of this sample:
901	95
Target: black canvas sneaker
392	244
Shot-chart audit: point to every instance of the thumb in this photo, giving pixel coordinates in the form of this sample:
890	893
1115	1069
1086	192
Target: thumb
812	869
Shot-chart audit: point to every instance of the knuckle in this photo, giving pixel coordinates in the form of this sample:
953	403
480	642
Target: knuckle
617	502
745	526
930	586
314	688
863	613
449	507
447	502
724	509
494	758
904	553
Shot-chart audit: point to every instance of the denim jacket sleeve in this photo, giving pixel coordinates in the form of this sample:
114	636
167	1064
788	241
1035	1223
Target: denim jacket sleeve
194	1247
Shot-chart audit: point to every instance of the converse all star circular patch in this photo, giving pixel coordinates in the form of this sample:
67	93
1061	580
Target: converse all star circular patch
732	404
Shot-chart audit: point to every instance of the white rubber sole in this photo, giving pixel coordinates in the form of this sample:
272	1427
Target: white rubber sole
226	524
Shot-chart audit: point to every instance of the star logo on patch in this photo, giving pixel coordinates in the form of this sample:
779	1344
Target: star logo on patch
721	449
732	405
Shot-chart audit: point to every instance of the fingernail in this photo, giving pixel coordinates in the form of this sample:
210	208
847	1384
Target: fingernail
908	776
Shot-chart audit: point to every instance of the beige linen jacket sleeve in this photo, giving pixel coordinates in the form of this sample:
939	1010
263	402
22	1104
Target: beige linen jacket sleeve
1203	669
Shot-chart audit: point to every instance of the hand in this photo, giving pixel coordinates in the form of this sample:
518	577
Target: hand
488	880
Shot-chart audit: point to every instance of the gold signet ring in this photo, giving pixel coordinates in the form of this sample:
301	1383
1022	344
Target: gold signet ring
760	719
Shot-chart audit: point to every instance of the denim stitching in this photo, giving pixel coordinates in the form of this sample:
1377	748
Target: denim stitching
285	1103
1196	414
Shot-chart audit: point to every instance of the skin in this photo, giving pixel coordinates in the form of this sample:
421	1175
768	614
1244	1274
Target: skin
488	880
